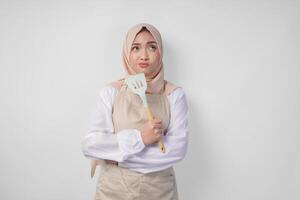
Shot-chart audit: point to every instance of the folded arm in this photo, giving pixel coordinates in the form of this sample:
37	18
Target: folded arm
101	142
175	141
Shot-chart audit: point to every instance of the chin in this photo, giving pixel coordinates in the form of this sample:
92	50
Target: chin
143	70
147	71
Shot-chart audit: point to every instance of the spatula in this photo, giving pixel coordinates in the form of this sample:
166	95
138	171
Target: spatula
138	85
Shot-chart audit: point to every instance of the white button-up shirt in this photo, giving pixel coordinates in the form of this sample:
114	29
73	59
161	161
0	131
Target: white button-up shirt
127	147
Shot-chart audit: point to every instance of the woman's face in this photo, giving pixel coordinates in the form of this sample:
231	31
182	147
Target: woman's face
144	54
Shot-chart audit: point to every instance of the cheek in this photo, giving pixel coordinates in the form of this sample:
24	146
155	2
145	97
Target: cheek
133	62
156	57
132	58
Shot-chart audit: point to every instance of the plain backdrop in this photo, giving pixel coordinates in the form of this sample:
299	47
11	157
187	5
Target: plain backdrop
238	62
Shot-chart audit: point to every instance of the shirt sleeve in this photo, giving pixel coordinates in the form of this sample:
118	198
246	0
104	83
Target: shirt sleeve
101	142
175	140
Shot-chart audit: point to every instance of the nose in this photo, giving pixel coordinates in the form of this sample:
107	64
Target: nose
144	54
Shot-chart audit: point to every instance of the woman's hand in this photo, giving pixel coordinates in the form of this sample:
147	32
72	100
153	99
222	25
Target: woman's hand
111	162
151	131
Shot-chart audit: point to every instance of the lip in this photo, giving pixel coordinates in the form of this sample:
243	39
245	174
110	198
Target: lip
143	65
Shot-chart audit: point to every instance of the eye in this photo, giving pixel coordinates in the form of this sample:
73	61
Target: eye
134	48
153	47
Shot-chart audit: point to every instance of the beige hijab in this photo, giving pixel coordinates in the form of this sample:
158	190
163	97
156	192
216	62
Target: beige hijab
156	83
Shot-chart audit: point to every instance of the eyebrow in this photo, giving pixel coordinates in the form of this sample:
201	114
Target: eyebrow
147	43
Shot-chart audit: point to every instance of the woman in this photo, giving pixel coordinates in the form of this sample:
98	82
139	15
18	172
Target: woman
132	166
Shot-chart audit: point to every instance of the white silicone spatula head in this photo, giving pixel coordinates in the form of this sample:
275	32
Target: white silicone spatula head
138	85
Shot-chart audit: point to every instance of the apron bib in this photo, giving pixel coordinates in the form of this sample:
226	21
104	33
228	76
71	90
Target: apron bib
118	183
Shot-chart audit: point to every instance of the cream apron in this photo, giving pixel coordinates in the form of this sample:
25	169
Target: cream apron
118	183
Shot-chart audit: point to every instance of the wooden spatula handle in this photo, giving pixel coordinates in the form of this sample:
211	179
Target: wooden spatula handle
149	114
160	142
161	146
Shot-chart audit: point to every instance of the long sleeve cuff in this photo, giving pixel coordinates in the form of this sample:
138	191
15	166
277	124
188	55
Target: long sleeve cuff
130	141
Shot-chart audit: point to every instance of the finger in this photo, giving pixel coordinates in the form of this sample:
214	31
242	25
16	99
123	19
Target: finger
158	137
156	120
156	126
158	131
111	162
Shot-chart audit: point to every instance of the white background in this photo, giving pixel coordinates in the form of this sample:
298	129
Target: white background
238	61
